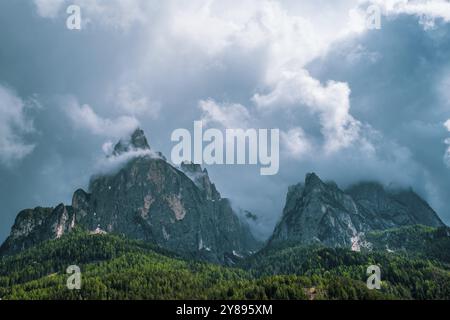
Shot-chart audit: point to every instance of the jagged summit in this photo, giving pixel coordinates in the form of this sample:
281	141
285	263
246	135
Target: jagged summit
312	179
137	141
318	212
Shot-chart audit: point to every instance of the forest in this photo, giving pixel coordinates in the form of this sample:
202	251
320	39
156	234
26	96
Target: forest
114	267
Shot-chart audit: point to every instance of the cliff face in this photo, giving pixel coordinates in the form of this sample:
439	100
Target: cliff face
36	225
150	200
319	212
153	201
393	208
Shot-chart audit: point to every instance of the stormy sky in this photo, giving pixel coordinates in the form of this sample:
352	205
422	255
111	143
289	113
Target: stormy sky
352	103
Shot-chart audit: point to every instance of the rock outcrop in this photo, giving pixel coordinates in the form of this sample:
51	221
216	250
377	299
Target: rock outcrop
319	212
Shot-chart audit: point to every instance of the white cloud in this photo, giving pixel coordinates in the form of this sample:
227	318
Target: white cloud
111	163
13	125
296	143
197	24
447	124
289	35
49	8
132	101
290	41
230	116
331	102
84	117
108	148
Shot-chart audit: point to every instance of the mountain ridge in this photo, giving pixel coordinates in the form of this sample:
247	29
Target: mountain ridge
320	212
180	209
147	199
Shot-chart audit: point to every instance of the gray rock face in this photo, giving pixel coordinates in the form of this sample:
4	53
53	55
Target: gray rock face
137	141
318	212
150	200
36	225
201	179
393	208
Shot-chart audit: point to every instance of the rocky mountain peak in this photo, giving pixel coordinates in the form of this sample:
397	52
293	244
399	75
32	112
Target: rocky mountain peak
314	185
137	141
319	212
312	179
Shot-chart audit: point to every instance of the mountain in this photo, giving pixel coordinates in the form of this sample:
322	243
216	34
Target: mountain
147	199
137	141
321	213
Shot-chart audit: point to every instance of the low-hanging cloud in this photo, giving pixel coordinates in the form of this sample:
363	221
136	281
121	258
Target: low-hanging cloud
109	164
